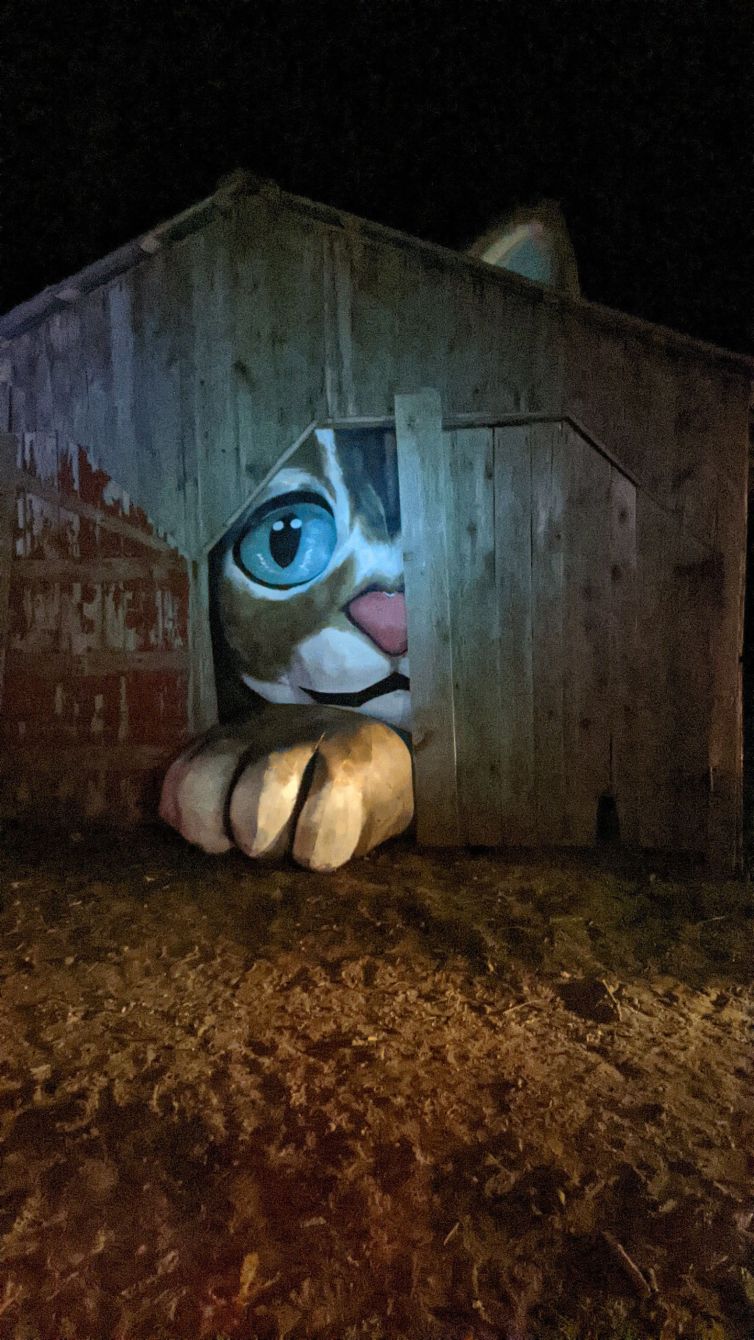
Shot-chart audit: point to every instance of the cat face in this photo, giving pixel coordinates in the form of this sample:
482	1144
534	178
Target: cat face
308	585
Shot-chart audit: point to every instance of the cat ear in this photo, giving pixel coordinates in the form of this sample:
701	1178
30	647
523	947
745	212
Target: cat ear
532	242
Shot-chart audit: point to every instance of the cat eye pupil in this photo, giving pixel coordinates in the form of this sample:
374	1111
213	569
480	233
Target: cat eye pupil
285	538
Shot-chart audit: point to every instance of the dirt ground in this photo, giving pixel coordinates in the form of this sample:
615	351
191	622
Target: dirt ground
446	1097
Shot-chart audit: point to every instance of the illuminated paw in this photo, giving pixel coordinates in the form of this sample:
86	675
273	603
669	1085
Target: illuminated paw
323	784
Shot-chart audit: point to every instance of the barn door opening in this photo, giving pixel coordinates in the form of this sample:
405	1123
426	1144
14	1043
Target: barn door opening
306	582
520	562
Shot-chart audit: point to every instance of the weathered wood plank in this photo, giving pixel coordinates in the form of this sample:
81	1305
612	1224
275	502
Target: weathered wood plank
120	569
60	665
202	706
81	618
175	425
19	417
725	815
513	573
486	352
624	656
586	662
60	378
654	619
55	497
40	456
8	449
122	356
278	351
89	416
117	785
338	252
549	501
422	471
680	582
158	366
218	465
78	757
475	633
695	589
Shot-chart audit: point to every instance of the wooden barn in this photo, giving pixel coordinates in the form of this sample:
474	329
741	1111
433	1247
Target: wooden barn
573	487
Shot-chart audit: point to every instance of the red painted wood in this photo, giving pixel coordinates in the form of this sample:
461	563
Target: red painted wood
88	743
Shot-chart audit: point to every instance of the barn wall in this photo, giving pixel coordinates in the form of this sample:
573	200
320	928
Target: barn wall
190	373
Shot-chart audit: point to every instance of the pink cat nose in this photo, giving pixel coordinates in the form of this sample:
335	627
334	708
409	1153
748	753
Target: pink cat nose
382	616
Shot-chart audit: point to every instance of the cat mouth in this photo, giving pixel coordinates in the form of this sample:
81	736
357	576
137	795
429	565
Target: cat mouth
390	684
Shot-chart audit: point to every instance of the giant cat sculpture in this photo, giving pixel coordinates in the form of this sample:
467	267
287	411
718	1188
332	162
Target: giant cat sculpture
311	647
309	615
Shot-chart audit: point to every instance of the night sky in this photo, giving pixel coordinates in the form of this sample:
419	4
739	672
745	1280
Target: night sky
434	118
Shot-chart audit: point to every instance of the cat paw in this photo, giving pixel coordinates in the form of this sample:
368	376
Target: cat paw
321	784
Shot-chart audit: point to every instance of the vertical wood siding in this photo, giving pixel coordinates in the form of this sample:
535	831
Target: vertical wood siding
424	477
562	688
191	373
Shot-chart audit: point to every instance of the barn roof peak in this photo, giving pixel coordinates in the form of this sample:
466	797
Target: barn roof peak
241	182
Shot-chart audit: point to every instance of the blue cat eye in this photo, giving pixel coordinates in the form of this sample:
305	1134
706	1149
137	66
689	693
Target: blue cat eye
288	541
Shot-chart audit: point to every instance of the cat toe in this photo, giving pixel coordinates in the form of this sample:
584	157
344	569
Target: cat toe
264	800
361	795
194	794
331	820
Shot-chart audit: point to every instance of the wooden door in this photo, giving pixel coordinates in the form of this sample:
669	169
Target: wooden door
520	559
94	628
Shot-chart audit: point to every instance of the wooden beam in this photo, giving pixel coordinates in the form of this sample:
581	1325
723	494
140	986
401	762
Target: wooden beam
202	693
113	758
70	502
63	665
422	473
98	570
